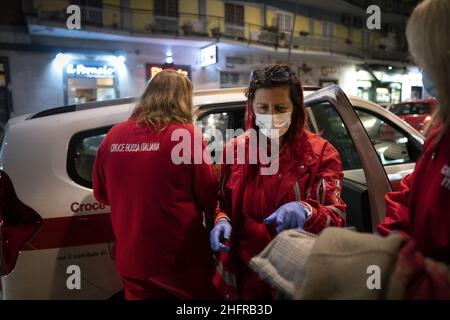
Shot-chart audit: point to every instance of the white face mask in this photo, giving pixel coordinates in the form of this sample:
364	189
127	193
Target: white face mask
273	126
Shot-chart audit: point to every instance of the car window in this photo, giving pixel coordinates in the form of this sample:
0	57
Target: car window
400	109
84	145
410	108
215	121
239	119
325	120
221	120
81	155
333	117
393	145
421	108
327	123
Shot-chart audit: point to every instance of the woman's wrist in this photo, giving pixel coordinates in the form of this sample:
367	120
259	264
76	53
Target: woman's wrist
221	216
308	209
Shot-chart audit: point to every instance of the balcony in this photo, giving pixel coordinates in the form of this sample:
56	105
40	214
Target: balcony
148	24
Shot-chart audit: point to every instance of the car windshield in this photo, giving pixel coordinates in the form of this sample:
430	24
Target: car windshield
411	108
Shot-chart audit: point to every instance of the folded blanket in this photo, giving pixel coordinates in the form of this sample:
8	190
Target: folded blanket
283	262
333	266
342	265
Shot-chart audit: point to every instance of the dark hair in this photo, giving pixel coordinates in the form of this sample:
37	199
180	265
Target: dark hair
281	75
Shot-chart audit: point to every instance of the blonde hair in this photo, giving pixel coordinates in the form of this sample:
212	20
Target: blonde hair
167	98
429	44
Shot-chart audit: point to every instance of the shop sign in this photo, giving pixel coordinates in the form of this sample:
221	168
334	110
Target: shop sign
153	68
208	55
81	70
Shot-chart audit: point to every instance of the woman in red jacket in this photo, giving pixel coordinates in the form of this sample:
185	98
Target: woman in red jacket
156	205
303	193
421	209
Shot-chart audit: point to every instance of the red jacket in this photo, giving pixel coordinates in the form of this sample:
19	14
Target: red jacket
421	208
310	170
156	207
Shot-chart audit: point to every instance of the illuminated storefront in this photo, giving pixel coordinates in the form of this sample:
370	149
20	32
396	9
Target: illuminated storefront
380	86
90	81
388	84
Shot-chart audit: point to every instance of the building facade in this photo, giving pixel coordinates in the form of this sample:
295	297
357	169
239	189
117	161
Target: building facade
121	43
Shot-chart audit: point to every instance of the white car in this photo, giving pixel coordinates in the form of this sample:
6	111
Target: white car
49	156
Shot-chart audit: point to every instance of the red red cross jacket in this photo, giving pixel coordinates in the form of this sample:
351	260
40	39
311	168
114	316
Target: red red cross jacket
310	171
156	207
421	208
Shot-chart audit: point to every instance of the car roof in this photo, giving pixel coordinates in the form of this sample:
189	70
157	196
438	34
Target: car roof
230	95
219	96
201	97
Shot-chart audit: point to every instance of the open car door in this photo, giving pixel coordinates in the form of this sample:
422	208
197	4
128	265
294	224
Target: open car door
331	115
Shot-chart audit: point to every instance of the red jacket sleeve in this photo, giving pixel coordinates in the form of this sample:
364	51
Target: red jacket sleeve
328	209
397	211
397	217
423	278
205	184
223	209
98	177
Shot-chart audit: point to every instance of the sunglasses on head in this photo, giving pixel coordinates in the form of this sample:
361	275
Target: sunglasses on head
279	75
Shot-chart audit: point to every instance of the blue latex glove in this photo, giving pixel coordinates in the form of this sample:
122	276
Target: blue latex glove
220	233
291	215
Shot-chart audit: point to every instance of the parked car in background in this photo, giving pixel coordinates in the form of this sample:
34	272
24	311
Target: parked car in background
417	113
49	156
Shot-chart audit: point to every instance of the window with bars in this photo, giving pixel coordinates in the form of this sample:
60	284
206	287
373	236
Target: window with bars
92	11
328	29
284	21
366	39
234	14
166	8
